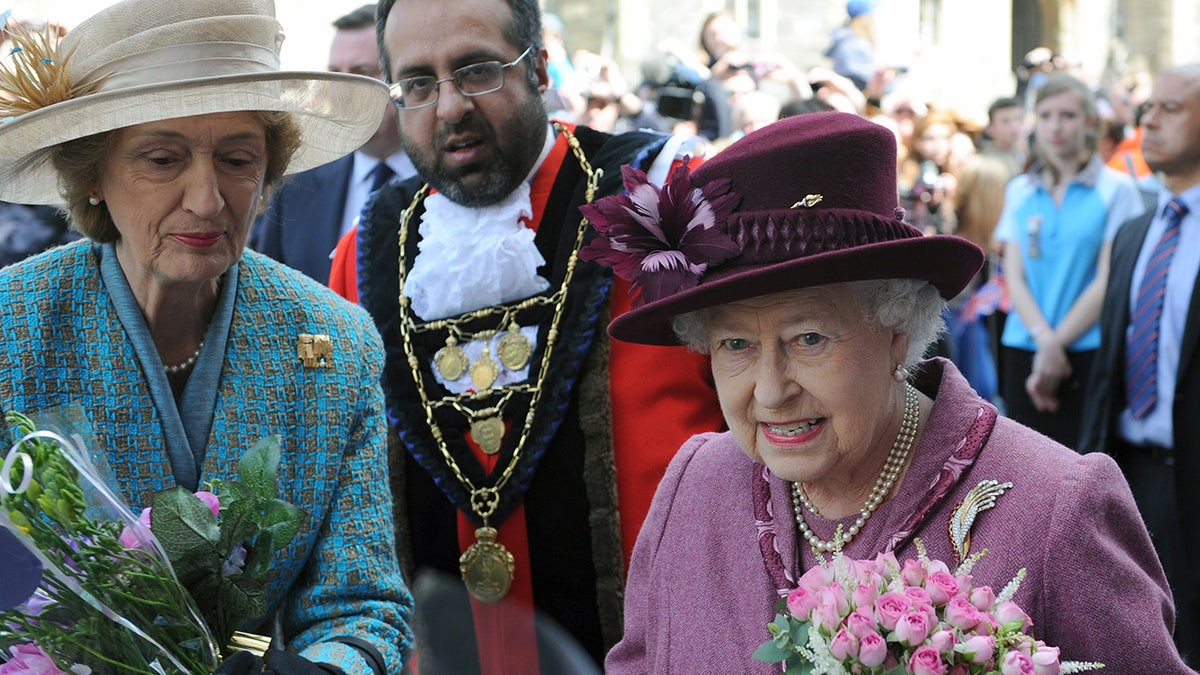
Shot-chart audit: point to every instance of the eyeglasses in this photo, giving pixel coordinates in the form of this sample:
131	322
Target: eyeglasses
476	79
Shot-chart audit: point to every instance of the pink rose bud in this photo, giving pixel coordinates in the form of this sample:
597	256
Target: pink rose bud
913	628
943	641
835	597
1045	660
826	619
913	573
1016	663
936	566
962	614
983	598
919	596
965	585
855	569
941	587
872	650
211	501
1012	617
844	645
978	648
801	603
925	660
860	622
886	563
889	607
815	578
865	595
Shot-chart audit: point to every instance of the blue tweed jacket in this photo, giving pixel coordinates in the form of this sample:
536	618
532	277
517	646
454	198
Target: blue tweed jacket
339	578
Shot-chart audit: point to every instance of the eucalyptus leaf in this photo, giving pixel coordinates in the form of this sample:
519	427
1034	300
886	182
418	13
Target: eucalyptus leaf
800	632
258	467
769	652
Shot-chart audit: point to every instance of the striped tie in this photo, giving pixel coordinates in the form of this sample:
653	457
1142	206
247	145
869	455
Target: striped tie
1141	350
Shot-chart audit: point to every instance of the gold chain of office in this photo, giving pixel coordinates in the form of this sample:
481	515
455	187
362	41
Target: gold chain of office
487	567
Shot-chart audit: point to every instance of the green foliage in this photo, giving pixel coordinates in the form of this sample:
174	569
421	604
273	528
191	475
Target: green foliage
225	562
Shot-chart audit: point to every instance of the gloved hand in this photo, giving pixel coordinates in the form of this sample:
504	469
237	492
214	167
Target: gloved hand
280	662
240	663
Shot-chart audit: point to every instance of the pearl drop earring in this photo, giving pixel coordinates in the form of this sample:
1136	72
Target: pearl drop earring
94	200
901	373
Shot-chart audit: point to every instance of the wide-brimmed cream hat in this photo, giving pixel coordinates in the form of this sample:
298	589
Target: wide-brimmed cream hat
142	61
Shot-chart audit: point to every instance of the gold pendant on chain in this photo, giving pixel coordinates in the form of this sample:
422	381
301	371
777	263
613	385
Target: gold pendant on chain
488	433
451	360
514	348
487	567
484	371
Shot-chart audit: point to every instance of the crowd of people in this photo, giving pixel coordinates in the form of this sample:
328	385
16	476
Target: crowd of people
602	382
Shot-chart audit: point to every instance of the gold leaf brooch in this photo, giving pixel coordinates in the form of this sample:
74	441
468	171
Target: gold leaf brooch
809	201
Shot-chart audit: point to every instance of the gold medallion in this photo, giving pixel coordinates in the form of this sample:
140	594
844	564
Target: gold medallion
488	433
451	360
484	371
514	348
487	567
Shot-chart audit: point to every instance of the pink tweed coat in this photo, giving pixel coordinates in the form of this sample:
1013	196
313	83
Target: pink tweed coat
699	593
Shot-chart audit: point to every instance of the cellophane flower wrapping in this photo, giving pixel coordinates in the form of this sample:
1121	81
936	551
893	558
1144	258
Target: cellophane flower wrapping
109	600
882	616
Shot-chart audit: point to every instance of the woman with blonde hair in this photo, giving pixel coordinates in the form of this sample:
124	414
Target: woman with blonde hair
1057	227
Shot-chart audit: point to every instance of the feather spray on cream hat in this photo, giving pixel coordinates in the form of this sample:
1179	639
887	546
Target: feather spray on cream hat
142	61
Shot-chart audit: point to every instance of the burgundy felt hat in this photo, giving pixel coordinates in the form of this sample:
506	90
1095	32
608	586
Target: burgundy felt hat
807	201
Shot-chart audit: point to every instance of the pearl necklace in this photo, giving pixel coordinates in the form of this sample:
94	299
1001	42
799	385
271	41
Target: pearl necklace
191	361
892	466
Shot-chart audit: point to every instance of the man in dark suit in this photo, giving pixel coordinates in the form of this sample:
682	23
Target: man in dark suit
307	216
1143	406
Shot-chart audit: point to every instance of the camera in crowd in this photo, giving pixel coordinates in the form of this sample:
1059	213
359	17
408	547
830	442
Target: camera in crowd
676	88
928	185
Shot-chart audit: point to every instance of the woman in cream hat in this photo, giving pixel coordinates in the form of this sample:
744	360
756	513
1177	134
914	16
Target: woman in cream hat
162	126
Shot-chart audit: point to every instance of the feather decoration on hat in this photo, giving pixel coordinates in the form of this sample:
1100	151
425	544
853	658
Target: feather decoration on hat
664	239
35	74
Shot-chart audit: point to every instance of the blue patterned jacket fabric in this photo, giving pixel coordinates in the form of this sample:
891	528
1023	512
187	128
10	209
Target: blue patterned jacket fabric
339	577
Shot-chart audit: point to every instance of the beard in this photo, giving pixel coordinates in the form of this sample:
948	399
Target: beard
517	144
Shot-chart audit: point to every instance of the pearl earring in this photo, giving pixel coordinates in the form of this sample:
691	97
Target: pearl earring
901	373
94	200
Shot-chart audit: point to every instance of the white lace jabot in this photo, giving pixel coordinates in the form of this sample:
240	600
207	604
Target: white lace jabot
473	257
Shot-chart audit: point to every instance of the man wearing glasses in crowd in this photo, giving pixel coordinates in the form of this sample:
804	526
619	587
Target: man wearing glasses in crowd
530	444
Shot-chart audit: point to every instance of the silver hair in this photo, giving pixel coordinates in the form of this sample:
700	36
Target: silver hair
910	306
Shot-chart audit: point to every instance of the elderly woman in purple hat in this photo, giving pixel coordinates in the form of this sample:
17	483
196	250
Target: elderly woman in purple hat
786	260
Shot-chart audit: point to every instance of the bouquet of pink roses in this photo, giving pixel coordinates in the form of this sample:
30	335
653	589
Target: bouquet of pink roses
883	617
